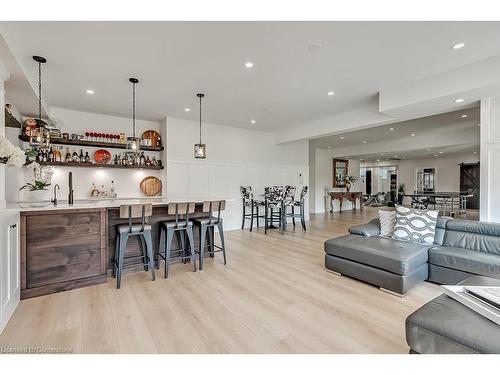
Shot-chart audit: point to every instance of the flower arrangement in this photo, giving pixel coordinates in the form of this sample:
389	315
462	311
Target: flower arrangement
348	181
42	177
10	154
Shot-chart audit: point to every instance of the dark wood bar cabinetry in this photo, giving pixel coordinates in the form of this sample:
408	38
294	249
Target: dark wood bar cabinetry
63	248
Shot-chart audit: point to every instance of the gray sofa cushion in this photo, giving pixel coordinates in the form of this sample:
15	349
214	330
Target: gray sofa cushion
473	235
471	261
385	253
446	326
370	229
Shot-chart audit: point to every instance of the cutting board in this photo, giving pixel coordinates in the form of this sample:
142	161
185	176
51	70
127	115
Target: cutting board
150	186
153	135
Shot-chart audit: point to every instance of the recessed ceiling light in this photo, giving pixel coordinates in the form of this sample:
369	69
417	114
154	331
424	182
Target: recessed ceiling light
90	92
435	155
440	152
459	100
342	137
378	159
365	142
391	129
413	134
404	158
458	46
381	154
330	93
187	109
464	116
329	146
252	121
347	157
475	152
395	156
249	64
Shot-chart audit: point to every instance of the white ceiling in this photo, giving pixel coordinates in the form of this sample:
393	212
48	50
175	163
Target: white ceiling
443	134
287	86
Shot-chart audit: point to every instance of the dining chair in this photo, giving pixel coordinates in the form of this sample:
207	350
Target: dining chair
273	201
249	201
296	204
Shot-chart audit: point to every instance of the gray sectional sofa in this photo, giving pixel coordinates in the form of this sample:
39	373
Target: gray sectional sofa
461	248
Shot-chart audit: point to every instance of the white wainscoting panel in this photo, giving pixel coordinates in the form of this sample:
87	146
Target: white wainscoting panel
192	179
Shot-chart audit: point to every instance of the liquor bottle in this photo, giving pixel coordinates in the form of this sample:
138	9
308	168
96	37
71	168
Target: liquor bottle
112	190
142	159
94	192
81	158
68	157
115	161
87	158
75	157
50	156
153	161
158	141
148	161
45	156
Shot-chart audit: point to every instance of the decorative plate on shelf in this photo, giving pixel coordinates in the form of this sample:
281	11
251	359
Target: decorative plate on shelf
150	186
153	135
102	156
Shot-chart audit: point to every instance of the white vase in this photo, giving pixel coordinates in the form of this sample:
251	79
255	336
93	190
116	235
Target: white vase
39	198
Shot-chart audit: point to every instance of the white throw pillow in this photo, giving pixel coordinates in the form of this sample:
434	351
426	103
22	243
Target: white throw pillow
415	225
387	221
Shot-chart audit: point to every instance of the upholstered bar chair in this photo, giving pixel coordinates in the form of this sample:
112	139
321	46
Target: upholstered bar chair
296	205
206	226
181	226
288	200
253	204
273	203
124	231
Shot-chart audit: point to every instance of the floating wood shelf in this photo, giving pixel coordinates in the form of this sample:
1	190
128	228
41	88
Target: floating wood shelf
11	121
92	165
60	141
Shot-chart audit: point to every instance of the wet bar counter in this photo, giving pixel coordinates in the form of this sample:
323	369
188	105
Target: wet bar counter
68	247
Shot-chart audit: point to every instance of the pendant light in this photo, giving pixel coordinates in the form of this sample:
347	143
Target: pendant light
40	136
133	143
200	149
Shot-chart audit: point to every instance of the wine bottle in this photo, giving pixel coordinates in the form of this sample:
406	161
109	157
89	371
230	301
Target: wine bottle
50	156
75	157
87	158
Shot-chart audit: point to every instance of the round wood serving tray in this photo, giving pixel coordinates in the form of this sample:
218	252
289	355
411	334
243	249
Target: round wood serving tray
153	135
150	186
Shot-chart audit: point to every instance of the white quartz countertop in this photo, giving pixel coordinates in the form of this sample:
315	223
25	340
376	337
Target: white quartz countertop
99	203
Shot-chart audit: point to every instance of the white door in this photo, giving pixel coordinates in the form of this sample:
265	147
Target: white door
10	280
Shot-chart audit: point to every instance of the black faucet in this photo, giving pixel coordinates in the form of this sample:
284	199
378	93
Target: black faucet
70	190
54	199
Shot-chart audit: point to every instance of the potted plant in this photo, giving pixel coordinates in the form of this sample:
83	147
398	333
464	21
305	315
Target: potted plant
10	154
42	179
348	181
401	192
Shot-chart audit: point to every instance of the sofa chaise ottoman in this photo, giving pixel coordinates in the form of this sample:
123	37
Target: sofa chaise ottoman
461	248
445	326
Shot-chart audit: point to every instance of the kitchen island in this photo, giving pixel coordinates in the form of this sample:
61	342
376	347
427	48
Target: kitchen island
70	246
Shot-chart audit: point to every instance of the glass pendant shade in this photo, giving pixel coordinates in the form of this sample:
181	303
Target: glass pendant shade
200	151
133	146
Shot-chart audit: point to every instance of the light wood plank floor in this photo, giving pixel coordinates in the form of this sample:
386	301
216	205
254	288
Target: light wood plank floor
274	296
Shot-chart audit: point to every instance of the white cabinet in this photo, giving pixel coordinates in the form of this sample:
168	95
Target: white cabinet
10	278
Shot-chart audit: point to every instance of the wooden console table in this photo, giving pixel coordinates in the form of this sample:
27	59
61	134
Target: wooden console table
350	196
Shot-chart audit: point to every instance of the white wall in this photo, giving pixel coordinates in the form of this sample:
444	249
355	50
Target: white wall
490	159
447	170
321	165
235	157
126	181
3	77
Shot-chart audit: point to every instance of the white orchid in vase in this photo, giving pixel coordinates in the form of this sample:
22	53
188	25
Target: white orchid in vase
42	177
10	154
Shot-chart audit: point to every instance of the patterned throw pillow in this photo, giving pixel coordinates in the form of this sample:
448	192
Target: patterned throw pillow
414	225
387	221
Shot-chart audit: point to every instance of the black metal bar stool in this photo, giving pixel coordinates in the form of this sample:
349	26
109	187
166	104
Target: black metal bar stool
206	227
143	230
254	205
183	227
